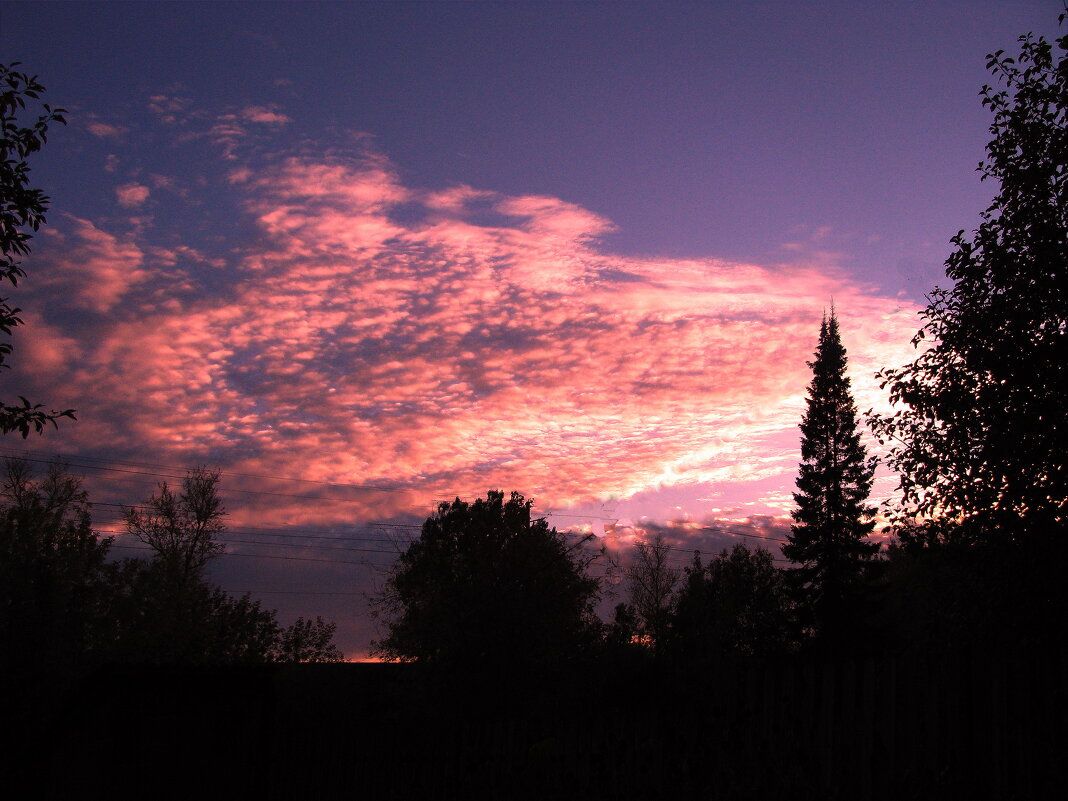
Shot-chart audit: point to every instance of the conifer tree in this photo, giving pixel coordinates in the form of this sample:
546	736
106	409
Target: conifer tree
832	519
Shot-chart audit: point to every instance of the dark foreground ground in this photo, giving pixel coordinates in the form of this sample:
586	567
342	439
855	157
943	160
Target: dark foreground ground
971	726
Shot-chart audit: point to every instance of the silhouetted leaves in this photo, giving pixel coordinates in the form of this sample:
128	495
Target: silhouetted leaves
737	604
980	440
53	578
63	604
22	210
182	528
485	583
307	641
651	583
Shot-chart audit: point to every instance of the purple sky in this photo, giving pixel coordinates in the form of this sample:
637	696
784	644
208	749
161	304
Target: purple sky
407	251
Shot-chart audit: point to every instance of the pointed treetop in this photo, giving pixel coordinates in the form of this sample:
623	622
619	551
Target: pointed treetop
832	519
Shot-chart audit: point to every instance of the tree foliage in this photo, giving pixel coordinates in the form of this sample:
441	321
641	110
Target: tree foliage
651	583
53	576
832	519
980	439
182	528
737	604
22	211
170	613
307	641
486	583
157	621
64	604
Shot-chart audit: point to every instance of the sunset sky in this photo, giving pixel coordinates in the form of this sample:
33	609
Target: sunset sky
363	257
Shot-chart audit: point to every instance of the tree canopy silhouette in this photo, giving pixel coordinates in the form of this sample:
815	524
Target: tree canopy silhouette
307	641
651	584
166	611
738	603
182	528
980	442
53	577
832	519
21	208
64	605
486	583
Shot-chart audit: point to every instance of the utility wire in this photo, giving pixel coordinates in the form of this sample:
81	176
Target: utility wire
68	459
295	592
301	532
263	531
268	556
73	462
228	489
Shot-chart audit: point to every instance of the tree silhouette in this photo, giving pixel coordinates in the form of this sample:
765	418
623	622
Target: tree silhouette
652	584
64	605
832	519
739	603
153	620
620	632
197	623
980	441
53	578
166	611
485	583
21	208
182	528
307	641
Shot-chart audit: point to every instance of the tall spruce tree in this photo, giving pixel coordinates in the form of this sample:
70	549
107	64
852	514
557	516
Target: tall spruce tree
832	519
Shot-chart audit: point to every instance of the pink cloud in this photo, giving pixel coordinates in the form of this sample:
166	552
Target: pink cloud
170	109
87	267
105	130
264	115
45	347
132	195
554	219
227	132
163	182
449	356
456	199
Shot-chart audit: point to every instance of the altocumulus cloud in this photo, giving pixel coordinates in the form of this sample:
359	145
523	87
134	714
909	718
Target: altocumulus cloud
444	340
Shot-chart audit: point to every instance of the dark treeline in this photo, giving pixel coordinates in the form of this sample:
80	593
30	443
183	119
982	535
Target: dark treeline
66	605
931	668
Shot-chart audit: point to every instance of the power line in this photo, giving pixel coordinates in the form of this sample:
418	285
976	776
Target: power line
293	533
551	513
331	537
296	592
720	530
76	461
268	556
79	462
224	539
67	459
228	489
